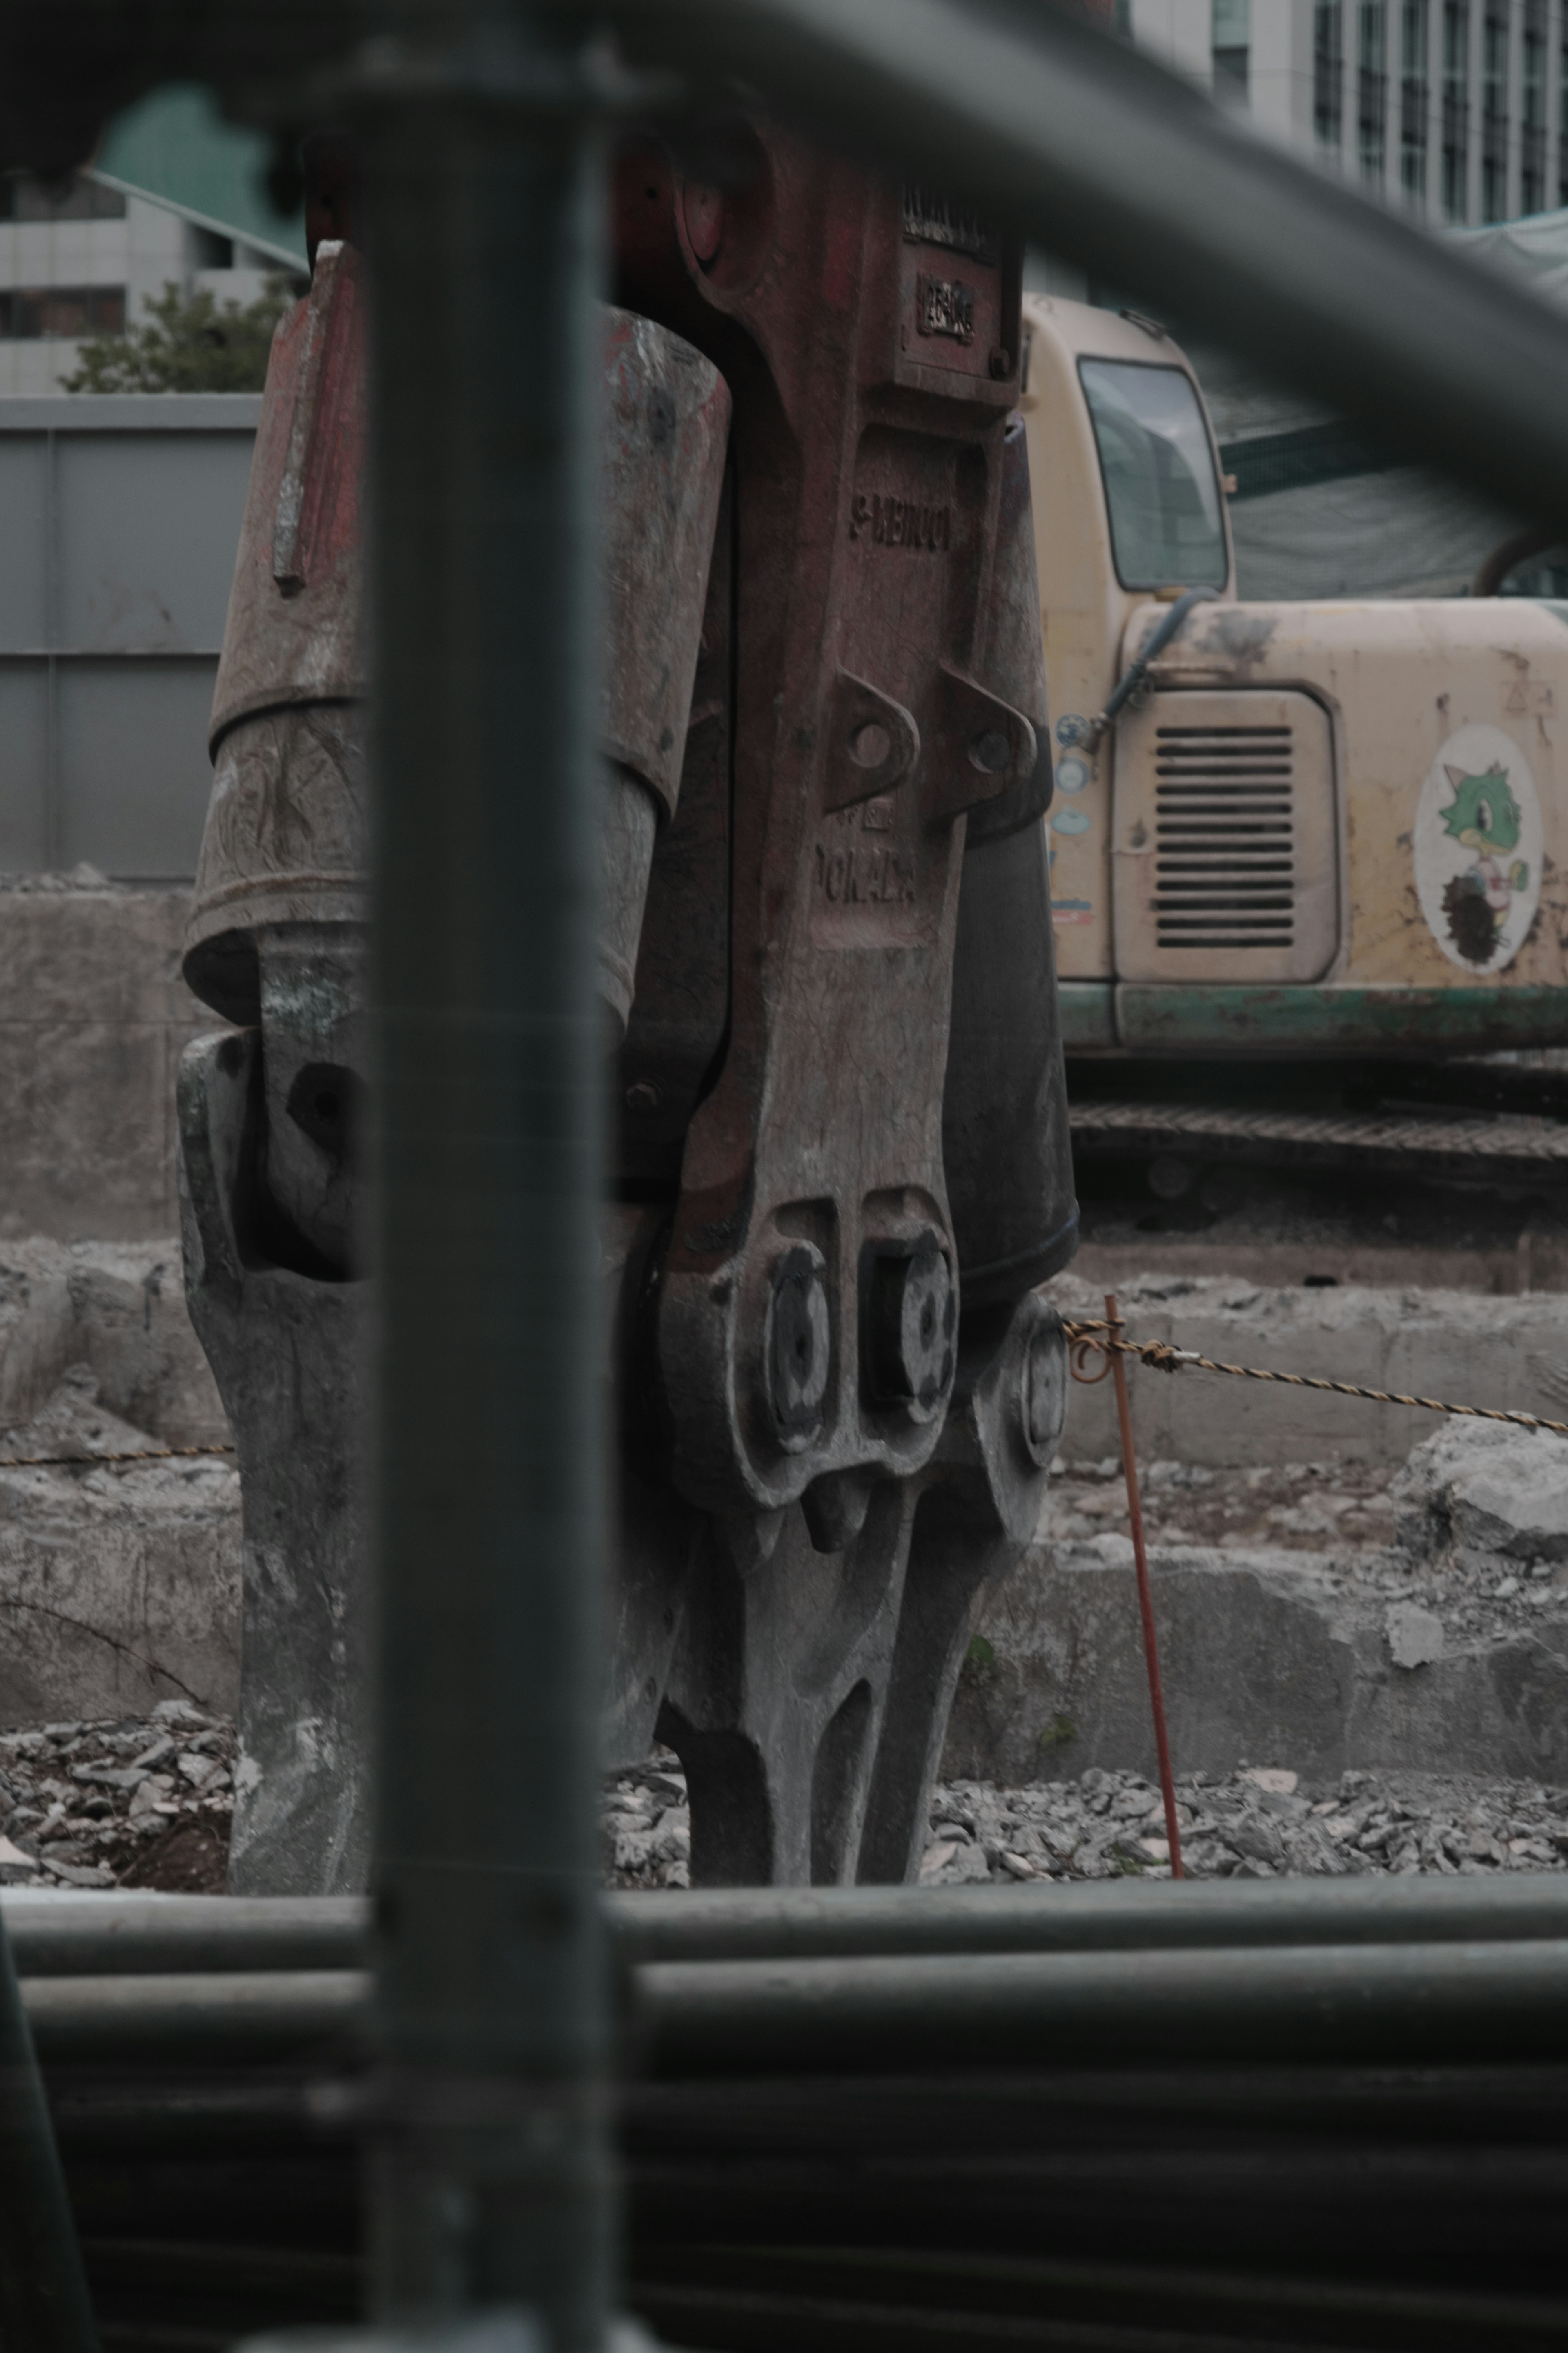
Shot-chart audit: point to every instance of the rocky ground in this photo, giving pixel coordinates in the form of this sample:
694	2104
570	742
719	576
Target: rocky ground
145	1802
1260	1823
135	1801
1467	1544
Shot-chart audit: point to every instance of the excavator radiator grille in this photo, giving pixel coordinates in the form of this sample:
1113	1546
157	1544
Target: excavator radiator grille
1225	863
1225	837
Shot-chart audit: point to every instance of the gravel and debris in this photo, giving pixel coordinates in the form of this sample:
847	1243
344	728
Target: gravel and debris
1258	1822
644	1822
145	1802
131	1801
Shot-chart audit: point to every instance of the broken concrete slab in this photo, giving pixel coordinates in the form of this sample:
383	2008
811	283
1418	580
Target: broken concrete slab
119	1583
93	1019
1263	1655
1486	1487
1451	1345
1415	1637
118	1307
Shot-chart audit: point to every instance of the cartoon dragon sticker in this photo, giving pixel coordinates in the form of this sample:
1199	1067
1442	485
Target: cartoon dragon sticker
1484	816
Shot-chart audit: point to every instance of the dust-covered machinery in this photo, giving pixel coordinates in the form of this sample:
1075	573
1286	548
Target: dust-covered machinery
1308	859
841	1161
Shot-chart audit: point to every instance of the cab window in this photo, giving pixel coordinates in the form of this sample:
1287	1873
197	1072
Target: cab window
1167	527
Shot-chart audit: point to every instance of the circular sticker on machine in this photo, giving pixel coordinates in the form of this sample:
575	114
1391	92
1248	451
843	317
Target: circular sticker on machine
1071	776
1070	820
1070	730
1479	845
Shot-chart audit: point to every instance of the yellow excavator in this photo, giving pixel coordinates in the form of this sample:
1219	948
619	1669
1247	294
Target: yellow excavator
1309	860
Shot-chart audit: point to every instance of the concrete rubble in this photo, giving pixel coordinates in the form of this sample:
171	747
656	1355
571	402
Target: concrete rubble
1260	1822
119	1581
1326	1601
146	1801
1324	1613
130	1801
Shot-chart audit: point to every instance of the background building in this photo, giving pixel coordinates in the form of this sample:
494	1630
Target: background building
1456	108
174	195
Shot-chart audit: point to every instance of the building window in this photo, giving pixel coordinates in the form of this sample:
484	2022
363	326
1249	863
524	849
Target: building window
1413	100
1533	109
1230	42
31	314
1372	88
1456	108
1494	115
22	198
1328	70
209	249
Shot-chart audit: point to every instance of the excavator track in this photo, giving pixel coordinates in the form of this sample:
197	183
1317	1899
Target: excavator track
1497	1150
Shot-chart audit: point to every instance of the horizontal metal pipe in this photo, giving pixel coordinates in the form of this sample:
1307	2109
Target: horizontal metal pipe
156	1936
1328	2002
260	2014
1104	156
1455	2001
115	1934
800	1924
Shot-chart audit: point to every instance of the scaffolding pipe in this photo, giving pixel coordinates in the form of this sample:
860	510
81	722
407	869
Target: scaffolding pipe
202	1935
44	2306
492	2167
1106	158
1458	2003
1329	2004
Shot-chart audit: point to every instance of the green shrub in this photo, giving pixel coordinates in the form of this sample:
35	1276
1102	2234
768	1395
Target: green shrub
187	344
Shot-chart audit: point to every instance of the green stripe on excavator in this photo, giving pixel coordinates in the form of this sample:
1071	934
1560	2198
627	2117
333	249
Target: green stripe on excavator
1242	1016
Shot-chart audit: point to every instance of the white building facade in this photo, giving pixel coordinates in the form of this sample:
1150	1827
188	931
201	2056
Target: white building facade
1456	108
79	259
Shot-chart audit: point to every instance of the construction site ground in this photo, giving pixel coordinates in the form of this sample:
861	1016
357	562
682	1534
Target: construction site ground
144	1803
1329	1608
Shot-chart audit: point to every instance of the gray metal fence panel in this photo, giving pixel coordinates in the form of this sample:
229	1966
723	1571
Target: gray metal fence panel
23	759
122	514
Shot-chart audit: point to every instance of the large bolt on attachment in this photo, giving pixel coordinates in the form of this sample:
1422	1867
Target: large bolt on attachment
1045	1392
910	1315
797	1348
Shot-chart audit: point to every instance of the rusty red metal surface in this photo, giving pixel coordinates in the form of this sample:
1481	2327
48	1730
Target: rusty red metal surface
870	339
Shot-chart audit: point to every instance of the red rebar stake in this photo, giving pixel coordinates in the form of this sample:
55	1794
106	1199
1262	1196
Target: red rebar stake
1145	1598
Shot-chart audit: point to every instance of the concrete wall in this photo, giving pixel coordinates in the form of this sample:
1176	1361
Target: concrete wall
93	1019
1460	1346
119	1310
1262	1662
119	1584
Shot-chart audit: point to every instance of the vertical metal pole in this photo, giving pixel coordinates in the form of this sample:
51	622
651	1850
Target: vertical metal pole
1145	1595
44	2306
493	2184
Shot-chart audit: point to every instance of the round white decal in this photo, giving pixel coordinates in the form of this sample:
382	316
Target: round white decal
1478	846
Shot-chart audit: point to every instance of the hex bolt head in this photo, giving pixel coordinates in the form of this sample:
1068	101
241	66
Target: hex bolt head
911	1314
798	1348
